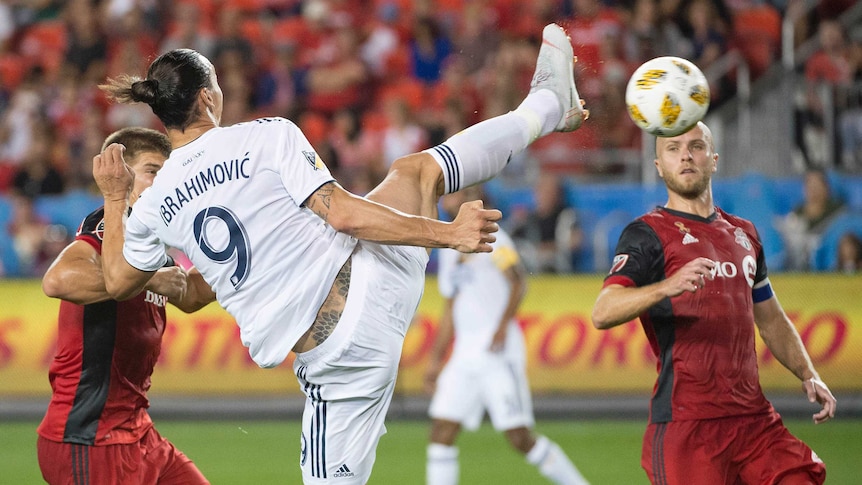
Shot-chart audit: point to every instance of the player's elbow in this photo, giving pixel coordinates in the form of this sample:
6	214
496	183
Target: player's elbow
52	285
342	221
601	318
607	311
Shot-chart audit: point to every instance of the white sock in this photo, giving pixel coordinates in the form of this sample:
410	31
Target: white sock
442	466
483	150
553	463
543	107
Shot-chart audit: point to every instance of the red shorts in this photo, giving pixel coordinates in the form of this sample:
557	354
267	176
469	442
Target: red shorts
151	460
754	450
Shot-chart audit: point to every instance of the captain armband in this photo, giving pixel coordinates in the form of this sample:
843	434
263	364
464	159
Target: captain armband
762	292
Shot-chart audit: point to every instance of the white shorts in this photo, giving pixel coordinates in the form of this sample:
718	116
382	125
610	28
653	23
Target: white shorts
349	379
468	388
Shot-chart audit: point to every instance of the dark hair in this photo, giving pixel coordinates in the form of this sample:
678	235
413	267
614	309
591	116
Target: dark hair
171	87
140	140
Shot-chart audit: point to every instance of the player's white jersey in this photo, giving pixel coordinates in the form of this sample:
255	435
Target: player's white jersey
230	200
481	293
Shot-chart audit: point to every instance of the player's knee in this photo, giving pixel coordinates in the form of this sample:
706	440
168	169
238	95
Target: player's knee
521	439
444	432
420	167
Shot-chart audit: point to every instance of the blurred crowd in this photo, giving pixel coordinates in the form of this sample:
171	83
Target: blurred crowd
366	80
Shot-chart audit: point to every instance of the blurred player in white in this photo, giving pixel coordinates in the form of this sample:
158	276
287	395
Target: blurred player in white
299	262
487	369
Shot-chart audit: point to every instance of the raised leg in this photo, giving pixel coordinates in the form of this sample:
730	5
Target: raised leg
414	184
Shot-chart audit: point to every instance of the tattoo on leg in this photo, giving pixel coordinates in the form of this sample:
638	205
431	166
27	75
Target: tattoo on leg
324	325
342	280
332	308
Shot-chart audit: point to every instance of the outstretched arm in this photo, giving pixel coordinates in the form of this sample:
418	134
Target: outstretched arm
471	231
617	304
76	276
115	179
782	339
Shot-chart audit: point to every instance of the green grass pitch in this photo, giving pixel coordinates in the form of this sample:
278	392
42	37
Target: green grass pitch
266	452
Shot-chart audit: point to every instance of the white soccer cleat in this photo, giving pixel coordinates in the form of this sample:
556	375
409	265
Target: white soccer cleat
555	71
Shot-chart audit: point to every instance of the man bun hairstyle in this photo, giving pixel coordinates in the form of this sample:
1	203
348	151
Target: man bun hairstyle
170	89
145	91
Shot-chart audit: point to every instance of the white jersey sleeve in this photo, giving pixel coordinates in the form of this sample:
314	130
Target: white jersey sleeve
301	170
143	249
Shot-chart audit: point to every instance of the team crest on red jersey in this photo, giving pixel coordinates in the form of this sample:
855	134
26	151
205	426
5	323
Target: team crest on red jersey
619	261
100	230
742	239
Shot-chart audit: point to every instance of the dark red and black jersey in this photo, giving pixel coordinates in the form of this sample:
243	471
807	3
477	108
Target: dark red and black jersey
704	341
105	356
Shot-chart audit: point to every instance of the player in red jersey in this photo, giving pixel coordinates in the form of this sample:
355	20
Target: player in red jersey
696	277
97	429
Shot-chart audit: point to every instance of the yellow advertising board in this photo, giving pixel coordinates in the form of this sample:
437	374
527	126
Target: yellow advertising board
202	354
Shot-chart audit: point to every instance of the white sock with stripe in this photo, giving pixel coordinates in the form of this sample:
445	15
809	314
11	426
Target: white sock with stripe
483	150
442	466
553	463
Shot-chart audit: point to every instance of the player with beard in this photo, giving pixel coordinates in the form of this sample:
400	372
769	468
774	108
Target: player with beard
697	278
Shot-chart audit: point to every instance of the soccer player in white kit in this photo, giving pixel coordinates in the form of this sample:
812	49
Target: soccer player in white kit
487	368
299	262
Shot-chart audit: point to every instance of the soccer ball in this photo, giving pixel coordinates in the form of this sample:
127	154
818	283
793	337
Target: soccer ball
667	96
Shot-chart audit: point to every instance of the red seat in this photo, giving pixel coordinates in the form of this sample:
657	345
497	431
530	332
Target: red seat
757	36
44	43
12	70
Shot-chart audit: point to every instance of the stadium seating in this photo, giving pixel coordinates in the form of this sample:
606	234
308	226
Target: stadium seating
752	197
847	188
69	209
825	256
603	211
8	258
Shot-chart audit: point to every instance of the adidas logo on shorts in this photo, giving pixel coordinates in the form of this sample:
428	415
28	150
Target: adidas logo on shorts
342	472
